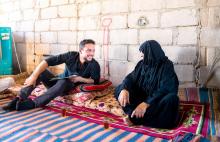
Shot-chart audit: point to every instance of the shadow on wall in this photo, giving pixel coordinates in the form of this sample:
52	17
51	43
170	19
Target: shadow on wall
19	53
209	81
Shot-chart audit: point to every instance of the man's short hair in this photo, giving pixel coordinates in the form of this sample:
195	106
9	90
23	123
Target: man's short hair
84	42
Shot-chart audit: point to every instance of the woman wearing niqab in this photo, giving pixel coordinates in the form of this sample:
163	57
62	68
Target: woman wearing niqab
148	95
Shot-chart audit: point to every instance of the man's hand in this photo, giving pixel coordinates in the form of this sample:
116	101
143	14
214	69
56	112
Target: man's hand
76	79
140	110
31	80
123	98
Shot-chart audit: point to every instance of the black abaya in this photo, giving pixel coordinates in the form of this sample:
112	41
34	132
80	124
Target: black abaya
154	82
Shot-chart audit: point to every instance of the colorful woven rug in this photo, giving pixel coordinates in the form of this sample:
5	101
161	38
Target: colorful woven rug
42	125
193	118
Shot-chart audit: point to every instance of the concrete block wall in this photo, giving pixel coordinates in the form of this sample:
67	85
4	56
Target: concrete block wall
186	30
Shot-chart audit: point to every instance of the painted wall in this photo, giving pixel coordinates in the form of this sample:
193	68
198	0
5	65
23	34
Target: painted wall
188	31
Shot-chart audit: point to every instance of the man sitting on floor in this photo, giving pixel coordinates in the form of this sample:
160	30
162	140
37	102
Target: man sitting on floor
79	65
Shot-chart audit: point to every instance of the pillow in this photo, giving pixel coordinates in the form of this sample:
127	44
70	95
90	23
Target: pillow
80	97
103	84
39	90
89	95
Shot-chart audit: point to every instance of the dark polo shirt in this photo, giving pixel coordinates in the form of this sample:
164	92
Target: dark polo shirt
73	66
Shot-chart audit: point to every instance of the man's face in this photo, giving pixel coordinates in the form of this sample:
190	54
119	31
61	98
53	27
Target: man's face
88	52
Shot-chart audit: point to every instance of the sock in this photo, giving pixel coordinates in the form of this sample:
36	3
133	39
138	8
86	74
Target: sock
11	105
25	105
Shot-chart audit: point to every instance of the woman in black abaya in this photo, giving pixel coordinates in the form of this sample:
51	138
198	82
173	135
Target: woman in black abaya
148	95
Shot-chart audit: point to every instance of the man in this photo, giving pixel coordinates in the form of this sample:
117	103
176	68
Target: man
148	95
80	68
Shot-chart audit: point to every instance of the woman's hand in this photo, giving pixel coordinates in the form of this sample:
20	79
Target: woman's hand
123	98
140	110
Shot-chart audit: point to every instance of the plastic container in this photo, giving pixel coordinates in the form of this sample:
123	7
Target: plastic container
5	51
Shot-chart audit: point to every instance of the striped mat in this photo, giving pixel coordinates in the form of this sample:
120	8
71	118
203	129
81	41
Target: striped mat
39	125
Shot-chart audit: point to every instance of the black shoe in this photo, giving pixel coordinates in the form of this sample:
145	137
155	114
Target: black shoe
25	105
11	105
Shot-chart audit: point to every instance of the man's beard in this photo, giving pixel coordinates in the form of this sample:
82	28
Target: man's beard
86	59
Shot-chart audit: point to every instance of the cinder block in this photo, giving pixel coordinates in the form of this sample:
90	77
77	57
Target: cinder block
213	3
213	54
73	24
56	49
138	5
30	68
50	12
185	73
152	19
94	23
181	55
118	78
187	84
58	2
203	56
41	49
4	19
48	37
73	48
98	51
187	35
180	3
31	14
25	26
67	11
7	7
117	52
130	67
204	15
117	21
18	36
13	25
27	4
71	1
134	55
29	37
15	16
114	6
15	5
97	36
37	37
30	60
43	3
123	36
30	48
101	66
184	17
163	36
93	8
210	37
42	25
214	17
59	24
67	37
118	68
21	49
214	80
